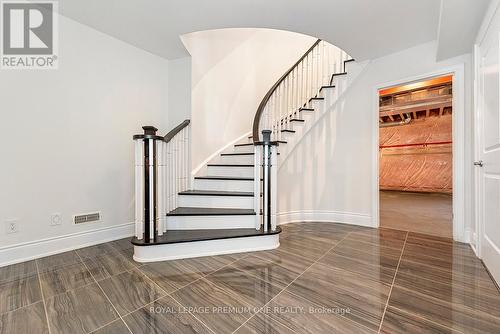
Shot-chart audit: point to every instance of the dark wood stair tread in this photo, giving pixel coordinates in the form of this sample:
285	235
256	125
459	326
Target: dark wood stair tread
186	211
179	236
216	193
328	86
237	153
291	131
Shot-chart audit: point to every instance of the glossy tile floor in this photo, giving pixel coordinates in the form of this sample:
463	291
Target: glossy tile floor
324	278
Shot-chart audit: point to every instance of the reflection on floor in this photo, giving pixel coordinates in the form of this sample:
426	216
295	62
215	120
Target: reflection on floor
324	278
417	212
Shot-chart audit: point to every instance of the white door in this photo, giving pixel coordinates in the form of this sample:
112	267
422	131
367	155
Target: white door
488	167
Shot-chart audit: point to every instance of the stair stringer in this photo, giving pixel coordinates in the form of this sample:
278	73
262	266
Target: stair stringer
342	85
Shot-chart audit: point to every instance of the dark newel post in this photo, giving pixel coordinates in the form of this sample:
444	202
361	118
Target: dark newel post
149	182
266	165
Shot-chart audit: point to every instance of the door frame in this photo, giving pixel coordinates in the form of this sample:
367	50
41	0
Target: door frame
458	146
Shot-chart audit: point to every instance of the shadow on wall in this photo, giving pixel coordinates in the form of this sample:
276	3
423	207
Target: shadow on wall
324	168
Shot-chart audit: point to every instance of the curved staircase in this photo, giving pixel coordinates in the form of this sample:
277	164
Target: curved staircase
231	208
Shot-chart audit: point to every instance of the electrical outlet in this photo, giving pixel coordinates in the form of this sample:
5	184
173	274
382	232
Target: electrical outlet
55	219
12	226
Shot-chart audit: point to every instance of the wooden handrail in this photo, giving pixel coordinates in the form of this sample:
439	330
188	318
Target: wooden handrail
168	137
262	105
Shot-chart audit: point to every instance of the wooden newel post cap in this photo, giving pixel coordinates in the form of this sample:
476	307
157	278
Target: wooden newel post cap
149	130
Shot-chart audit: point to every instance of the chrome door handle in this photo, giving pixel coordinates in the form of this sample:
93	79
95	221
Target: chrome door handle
478	163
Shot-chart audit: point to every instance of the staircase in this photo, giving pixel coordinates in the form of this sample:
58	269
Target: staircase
232	207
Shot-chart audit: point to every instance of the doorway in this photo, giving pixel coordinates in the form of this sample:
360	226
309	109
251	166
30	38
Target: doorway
416	156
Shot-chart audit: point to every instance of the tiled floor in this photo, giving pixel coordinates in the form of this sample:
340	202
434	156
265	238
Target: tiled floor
324	278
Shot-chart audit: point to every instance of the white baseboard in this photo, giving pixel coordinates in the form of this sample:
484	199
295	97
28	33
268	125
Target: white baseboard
186	250
325	216
39	248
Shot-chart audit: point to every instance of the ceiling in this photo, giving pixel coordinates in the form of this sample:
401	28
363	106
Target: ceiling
364	28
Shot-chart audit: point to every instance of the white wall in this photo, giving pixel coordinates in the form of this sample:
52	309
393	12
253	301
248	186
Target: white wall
232	69
329	174
66	139
179	91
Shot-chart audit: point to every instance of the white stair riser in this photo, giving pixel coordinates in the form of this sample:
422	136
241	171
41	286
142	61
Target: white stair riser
236	159
209	222
185	250
223	185
228	202
230	171
243	149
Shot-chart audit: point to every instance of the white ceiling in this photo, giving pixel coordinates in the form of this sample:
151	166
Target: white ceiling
458	27
364	28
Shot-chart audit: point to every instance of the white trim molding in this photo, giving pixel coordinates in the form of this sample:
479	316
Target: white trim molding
459	159
39	248
350	218
185	250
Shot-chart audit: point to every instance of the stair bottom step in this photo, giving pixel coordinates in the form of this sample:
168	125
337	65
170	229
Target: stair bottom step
183	244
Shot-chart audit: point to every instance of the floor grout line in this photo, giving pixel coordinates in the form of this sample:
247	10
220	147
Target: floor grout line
170	294
335	245
105	295
43	297
392	285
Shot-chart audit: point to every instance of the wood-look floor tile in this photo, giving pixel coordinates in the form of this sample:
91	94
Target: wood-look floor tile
95	250
64	279
17	271
108	264
446	254
261	323
294	262
384	257
122	244
397	321
446	314
332	287
19	293
128	253
478	278
372	271
267	270
116	327
384	233
250	289
29	319
461	294
310	250
371	248
130	290
164	316
57	261
204	265
462	265
377	240
220	310
79	311
170	275
303	316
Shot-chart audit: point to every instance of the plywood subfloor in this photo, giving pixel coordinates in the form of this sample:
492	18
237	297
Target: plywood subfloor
417	212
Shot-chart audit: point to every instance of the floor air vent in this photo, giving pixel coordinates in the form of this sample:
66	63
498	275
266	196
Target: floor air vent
87	218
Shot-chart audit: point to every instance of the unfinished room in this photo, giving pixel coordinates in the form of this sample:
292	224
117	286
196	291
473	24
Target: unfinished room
416	157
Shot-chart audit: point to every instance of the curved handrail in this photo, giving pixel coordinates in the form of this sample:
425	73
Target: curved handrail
262	105
168	137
